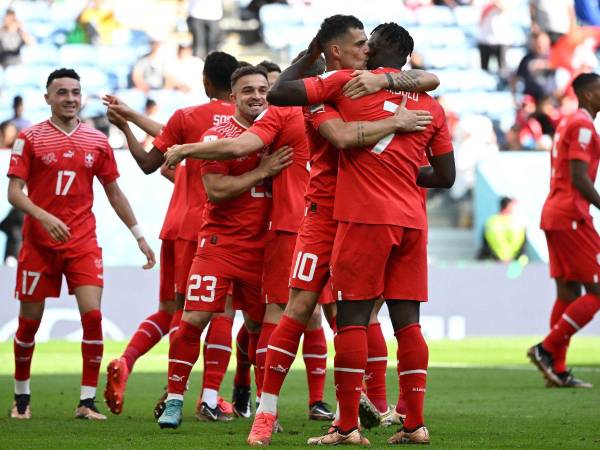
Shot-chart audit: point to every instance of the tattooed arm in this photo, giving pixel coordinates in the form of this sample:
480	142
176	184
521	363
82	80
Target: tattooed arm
366	82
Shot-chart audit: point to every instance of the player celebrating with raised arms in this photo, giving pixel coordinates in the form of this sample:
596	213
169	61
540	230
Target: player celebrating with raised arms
380	247
231	240
57	160
573	242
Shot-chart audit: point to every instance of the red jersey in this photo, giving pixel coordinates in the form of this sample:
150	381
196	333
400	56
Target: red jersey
276	127
59	170
323	156
575	138
186	210
242	219
377	185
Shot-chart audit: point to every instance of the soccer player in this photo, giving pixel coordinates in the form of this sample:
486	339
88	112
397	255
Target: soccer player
231	240
380	244
272	69
179	234
57	160
573	243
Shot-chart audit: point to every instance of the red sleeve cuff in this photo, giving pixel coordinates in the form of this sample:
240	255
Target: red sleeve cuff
262	134
311	91
104	180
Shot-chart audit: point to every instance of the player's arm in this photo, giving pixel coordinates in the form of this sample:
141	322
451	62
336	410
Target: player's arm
147	161
289	89
221	187
168	173
215	150
121	206
441	172
150	126
344	135
583	183
366	82
54	226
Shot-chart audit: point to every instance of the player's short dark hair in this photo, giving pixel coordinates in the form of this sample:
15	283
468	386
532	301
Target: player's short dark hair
61	73
243	64
396	39
317	68
335	26
269	66
150	103
218	67
504	202
17	101
247	70
583	81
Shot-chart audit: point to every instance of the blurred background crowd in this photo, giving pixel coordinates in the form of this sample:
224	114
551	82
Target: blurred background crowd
505	66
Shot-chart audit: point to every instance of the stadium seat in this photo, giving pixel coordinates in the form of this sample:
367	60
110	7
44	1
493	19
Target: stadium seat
32	76
28	11
452	80
442	37
109	56
94	80
467	16
435	15
437	58
93	108
135	98
42	31
76	55
41	54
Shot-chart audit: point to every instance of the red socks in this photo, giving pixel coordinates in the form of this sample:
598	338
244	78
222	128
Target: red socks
183	354
217	352
560	356
24	344
350	362
314	351
577	315
148	334
376	367
261	354
413	357
281	353
242	368
92	347
174	325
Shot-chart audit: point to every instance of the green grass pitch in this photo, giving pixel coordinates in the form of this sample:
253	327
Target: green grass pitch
482	393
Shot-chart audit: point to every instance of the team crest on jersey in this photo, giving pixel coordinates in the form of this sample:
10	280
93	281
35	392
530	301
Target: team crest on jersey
98	263
49	158
88	160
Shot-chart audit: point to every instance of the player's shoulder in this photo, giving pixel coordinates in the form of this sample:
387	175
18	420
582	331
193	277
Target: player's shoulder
336	74
579	119
91	136
213	106
34	131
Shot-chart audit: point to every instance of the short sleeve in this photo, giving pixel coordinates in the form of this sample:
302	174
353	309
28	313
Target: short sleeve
325	87
319	114
171	134
218	167
107	171
441	141
20	158
268	125
581	135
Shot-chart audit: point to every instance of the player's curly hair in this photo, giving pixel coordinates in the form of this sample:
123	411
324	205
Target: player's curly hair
583	81
335	26
61	73
396	38
247	70
218	68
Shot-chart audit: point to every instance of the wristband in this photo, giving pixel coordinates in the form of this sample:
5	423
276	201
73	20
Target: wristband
136	230
390	81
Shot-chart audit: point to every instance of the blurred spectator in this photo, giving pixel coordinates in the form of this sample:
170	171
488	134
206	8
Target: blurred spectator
588	12
416	61
17	119
8	134
99	22
12	226
13	37
150	71
493	36
503	234
203	22
451	116
184	73
272	69
535	70
554	17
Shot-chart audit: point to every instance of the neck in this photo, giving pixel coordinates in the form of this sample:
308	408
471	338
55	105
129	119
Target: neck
589	109
247	121
67	125
222	95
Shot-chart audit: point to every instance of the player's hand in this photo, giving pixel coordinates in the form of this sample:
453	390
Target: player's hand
314	49
174	155
56	228
364	83
116	119
148	253
411	120
271	165
114	103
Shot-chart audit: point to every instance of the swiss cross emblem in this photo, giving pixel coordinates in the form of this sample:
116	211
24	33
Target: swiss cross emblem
49	158
98	263
89	160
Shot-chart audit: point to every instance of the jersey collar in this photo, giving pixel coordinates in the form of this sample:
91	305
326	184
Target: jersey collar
587	113
238	123
63	131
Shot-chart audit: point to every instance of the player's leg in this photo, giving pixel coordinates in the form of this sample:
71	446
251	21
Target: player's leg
314	352
217	352
241	379
567	292
92	348
273	314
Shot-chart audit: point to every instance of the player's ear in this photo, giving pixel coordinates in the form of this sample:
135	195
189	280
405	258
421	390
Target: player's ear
232	97
46	95
335	50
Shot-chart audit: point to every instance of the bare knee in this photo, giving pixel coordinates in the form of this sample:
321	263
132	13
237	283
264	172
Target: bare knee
315	320
32	310
199	319
273	313
567	291
301	305
168	307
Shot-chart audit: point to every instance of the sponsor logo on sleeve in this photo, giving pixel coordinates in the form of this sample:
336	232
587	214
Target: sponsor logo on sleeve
18	147
584	137
210	138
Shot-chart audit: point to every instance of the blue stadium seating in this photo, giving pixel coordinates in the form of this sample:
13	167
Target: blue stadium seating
41	54
75	55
